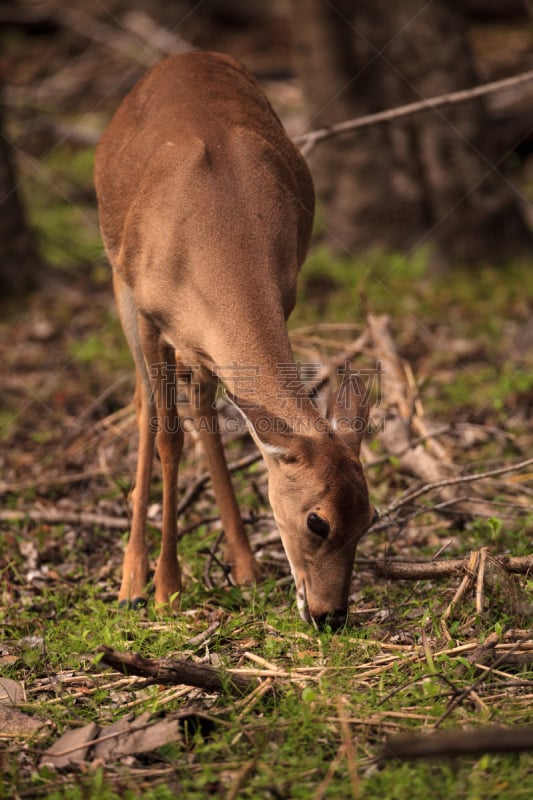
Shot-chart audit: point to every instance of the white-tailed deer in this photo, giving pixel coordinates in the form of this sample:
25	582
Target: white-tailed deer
206	210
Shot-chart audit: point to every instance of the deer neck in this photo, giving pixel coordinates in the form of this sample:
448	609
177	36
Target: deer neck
262	379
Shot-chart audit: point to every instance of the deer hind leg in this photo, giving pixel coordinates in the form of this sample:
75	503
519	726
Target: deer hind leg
170	445
244	567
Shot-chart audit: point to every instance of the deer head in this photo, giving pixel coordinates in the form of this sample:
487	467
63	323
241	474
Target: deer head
320	502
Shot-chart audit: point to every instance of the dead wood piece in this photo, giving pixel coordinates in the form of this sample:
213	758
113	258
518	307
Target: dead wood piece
401	407
203	638
54	516
130	736
49	481
14	723
162	40
457	743
519	660
405	424
71	748
176	671
484	651
446	568
11	692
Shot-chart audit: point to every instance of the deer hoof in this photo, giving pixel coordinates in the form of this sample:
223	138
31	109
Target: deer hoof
245	575
137	602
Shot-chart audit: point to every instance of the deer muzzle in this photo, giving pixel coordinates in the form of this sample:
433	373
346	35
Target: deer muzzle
319	618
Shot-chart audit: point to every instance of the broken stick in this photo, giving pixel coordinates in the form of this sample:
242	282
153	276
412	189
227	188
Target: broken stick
458	743
177	671
405	425
445	568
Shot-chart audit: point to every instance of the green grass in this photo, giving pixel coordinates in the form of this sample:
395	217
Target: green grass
58	196
290	740
390	671
477	301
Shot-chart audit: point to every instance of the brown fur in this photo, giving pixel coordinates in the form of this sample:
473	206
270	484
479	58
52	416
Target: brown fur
206	210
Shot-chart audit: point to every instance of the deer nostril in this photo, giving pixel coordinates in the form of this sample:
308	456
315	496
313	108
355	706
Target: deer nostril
334	619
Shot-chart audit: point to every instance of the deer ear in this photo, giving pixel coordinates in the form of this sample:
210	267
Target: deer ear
272	435
272	450
348	412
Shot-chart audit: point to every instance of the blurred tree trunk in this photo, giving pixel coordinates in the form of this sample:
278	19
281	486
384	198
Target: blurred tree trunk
19	262
434	177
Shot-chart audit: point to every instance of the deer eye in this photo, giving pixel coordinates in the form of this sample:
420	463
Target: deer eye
318	525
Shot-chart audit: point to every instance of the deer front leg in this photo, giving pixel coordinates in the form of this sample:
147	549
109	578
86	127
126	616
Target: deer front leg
244	567
135	564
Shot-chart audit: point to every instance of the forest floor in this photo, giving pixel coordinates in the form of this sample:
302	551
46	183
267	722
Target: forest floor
416	655
442	652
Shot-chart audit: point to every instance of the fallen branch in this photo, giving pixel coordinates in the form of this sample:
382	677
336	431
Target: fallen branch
54	516
58	517
48	481
483	652
447	568
404	416
172	671
458	743
120	41
155	37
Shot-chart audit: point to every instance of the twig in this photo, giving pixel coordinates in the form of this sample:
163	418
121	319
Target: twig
173	671
56	516
308	140
439	676
159	39
261	661
332	768
446	505
120	41
413	443
203	637
480	579
500	660
213	559
482	652
195	488
95	405
192	492
471	569
429	487
348	745
458	743
239	779
402	412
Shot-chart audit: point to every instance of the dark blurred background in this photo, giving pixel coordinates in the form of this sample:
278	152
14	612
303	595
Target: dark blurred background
455	181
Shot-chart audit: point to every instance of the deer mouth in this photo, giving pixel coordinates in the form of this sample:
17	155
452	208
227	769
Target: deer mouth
335	619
